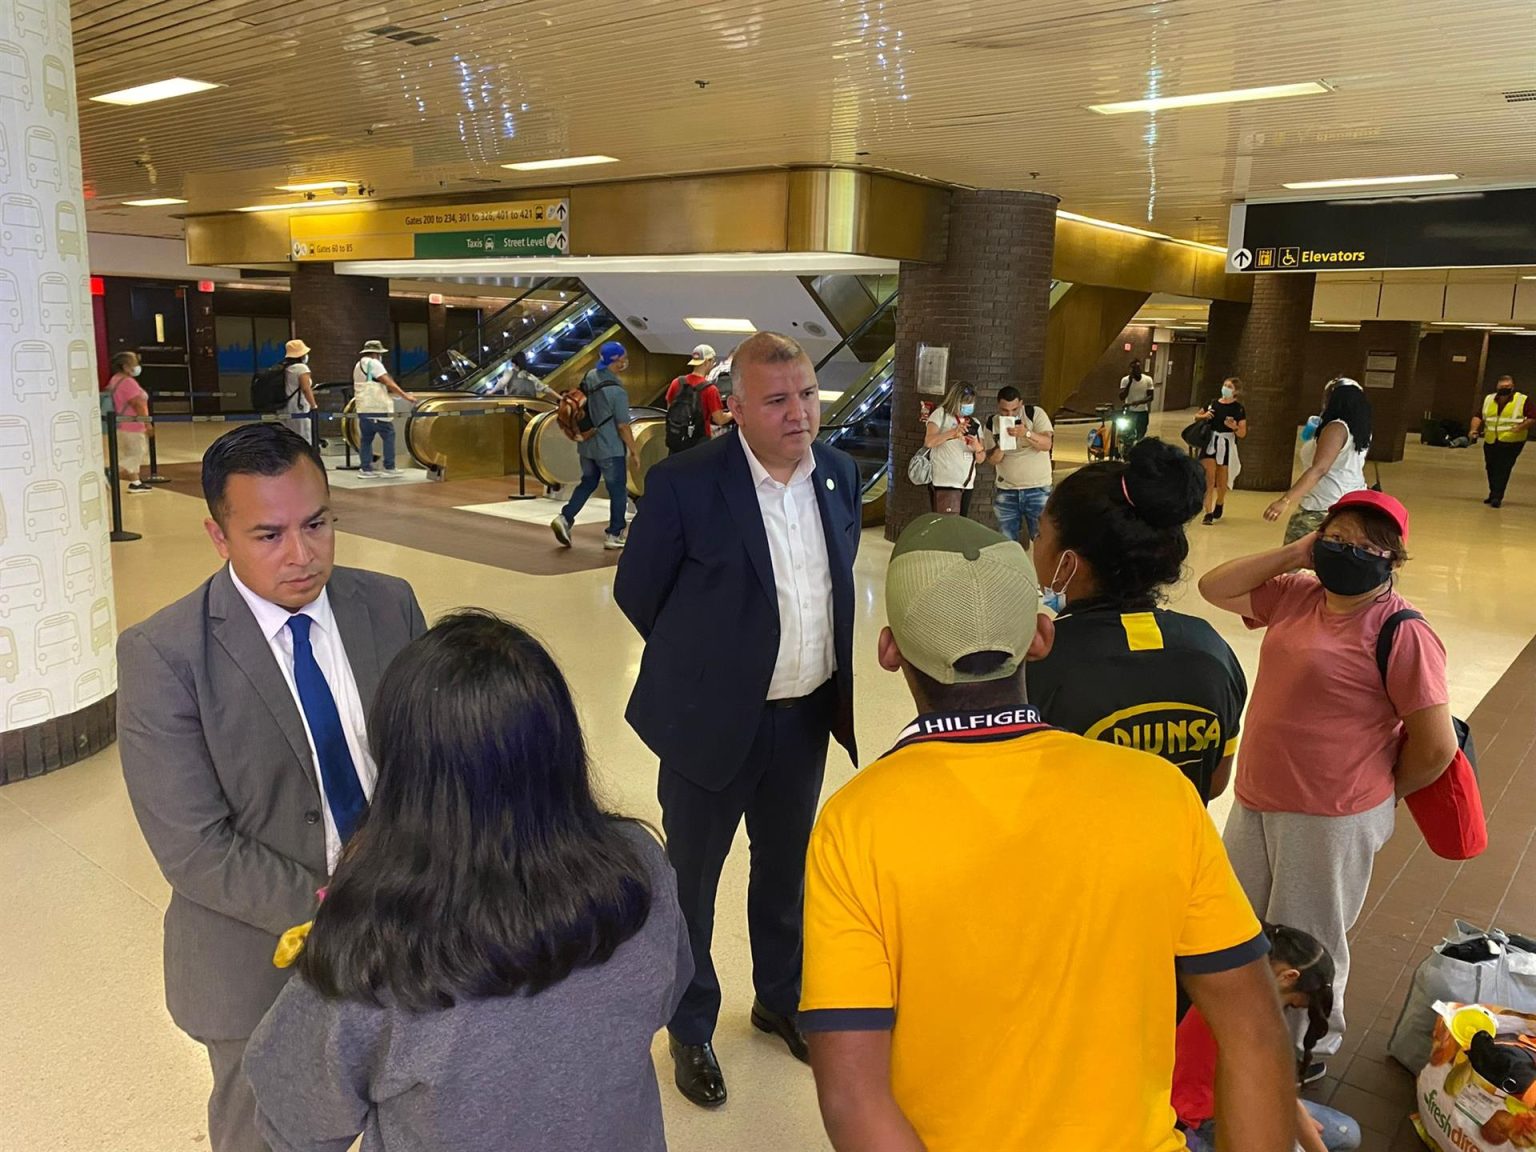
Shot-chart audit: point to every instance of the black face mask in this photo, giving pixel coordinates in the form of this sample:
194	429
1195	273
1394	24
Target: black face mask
1347	571
1503	393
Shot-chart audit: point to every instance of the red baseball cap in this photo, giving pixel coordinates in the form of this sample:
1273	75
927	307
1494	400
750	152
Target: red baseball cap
1389	506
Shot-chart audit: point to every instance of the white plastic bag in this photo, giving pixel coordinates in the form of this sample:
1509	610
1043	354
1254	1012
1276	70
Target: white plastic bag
1507	978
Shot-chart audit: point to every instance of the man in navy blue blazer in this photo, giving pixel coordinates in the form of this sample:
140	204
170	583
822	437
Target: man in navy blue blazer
739	577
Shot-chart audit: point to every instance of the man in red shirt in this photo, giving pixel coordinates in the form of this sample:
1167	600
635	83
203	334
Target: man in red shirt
711	406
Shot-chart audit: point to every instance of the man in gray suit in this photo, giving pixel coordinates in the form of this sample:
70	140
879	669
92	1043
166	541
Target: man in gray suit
241	714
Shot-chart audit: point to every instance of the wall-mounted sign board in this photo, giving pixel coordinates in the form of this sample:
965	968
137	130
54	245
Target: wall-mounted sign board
456	231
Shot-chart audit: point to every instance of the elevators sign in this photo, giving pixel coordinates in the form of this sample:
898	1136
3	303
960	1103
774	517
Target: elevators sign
1478	229
445	232
932	369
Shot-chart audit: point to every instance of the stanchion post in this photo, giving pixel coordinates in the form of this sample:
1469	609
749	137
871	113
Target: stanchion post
154	461
314	429
118	535
522	492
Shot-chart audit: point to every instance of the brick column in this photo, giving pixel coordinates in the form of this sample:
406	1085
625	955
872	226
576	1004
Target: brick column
336	315
1271	355
1392	409
989	303
1224	331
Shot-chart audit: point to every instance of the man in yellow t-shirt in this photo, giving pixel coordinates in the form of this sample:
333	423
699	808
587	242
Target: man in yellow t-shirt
995	911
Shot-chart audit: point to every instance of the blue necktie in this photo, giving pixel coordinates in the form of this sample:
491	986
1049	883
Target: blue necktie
343	790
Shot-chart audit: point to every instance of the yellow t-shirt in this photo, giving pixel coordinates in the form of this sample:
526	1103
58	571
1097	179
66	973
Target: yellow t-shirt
1012	903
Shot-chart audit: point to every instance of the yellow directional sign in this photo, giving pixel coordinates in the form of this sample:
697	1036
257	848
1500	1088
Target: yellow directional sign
1265	258
512	228
1290	257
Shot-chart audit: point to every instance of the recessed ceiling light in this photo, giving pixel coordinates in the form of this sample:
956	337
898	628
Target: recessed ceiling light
315	186
298	207
1201	99
719	324
563	162
159	90
154	202
1371	181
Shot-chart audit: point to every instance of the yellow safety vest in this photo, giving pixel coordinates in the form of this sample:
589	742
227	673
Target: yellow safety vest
1499	429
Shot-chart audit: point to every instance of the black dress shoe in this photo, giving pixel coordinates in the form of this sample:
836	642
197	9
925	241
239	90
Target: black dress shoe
784	1027
1487	499
698	1073
1498	503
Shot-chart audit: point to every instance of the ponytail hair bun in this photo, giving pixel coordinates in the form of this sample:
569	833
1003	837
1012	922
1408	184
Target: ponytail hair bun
1163	484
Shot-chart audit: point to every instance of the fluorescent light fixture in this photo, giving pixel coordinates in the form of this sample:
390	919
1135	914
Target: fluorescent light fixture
159	90
1201	99
561	162
1514	331
315	186
1134	231
828	397
154	202
1370	181
299	206
719	324
1326	324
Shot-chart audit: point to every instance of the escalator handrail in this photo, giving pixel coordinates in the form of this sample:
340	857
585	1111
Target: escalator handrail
856	396
880	310
515	352
430	367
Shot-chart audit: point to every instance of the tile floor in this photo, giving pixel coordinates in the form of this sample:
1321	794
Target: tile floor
91	1062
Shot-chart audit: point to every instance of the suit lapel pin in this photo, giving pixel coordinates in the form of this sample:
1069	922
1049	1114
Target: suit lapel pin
831	485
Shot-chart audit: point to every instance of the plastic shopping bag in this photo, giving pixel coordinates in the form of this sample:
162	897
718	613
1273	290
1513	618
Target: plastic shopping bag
1469	966
1462	1110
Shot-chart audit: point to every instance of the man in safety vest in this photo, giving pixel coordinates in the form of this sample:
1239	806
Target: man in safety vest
1504	423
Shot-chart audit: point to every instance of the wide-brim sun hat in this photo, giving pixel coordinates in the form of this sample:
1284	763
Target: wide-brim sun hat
374	347
295	348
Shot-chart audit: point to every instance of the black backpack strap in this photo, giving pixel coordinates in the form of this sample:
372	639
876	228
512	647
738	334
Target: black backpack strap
1387	634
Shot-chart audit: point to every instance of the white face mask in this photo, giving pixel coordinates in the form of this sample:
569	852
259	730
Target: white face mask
1227	392
135	370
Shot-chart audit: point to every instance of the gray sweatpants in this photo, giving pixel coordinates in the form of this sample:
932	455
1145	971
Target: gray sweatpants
1311	873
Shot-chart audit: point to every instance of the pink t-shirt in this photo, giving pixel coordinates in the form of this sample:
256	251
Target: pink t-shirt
125	390
1322	735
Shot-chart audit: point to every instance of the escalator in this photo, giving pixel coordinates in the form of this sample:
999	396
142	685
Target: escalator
856	413
521	368
860	425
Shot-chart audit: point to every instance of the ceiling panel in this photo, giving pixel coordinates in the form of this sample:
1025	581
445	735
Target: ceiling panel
989	93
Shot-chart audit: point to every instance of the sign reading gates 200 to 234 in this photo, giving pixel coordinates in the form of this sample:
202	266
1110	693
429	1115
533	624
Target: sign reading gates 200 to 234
454	231
1464	229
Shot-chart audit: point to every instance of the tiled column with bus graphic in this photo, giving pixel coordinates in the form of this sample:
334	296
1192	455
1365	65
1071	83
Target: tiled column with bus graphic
58	672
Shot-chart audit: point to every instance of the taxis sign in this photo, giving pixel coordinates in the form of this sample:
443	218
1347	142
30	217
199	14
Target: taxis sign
453	231
1463	229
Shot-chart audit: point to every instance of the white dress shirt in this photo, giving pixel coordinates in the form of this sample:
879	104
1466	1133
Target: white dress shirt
325	641
802	576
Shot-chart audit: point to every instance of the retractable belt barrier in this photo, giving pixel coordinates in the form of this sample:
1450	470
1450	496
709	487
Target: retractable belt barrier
109	422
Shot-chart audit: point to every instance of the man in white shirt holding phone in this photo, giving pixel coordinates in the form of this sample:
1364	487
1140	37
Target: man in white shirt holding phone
1020	438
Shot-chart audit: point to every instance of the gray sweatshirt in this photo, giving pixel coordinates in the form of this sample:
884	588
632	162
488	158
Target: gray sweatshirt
568	1069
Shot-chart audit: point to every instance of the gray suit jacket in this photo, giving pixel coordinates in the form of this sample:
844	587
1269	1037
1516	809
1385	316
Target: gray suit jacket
223	783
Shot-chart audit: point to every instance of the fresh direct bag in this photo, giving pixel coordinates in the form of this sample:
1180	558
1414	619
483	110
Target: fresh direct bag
1459	1109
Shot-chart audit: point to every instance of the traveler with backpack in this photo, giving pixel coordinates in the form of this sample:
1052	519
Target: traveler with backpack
298	388
694	406
596	416
372	396
1330	743
1022	438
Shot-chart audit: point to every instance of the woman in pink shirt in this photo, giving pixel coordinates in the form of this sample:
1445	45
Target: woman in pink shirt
131	403
1330	745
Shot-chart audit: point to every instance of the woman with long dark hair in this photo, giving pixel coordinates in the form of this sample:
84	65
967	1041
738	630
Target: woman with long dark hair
495	952
1334	459
1124	669
1303	972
